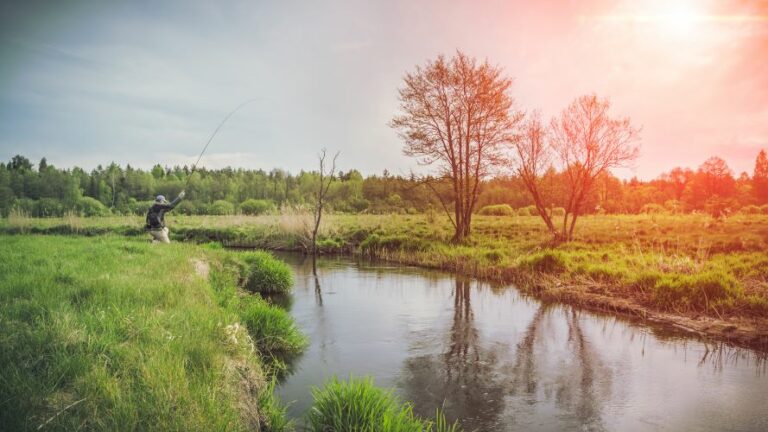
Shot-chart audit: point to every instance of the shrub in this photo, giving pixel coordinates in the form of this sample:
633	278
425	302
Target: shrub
497	210
221	208
256	206
358	405
88	206
673	206
186	208
750	210
764	209
530	210
49	207
261	272
141	207
652	208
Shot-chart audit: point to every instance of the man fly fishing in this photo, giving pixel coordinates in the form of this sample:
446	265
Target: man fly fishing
156	213
156	218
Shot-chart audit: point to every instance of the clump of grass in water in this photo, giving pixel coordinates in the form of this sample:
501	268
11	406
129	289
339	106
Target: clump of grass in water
263	273
358	405
271	327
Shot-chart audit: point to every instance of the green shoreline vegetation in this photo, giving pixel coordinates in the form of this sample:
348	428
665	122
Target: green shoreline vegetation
689	266
113	333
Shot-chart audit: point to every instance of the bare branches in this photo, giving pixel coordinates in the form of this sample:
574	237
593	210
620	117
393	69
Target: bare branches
325	179
585	142
457	114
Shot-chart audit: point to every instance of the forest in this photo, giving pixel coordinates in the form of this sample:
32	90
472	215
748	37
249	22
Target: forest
43	190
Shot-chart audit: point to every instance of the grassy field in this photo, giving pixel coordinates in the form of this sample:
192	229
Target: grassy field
109	333
113	333
681	265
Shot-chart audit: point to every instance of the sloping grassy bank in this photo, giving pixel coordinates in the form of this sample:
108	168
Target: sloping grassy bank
109	333
705	275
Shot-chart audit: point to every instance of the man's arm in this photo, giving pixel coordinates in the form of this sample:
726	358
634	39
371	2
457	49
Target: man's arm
175	202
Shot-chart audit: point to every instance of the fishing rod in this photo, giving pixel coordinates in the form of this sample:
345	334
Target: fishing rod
216	131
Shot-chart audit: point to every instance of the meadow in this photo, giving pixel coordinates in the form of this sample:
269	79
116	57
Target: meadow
114	333
713	272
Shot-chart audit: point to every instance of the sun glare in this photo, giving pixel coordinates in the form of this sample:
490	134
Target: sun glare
680	19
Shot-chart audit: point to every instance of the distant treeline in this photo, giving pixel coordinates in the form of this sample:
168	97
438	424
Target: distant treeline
44	191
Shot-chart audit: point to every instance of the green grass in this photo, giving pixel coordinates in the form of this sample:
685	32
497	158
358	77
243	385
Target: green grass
652	260
262	273
358	405
109	333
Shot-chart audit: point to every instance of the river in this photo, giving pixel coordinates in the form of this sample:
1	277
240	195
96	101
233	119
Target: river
498	360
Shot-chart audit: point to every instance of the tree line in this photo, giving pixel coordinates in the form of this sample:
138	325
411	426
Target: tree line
43	190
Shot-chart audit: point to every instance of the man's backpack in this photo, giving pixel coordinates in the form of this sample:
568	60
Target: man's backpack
153	218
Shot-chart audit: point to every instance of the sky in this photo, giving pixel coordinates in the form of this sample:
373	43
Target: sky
89	82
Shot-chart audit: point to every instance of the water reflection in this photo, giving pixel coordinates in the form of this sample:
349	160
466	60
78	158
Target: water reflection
462	380
500	361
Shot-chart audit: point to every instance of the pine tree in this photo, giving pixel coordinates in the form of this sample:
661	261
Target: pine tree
760	178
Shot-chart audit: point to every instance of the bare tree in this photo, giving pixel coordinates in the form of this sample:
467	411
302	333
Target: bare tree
585	142
326	177
532	157
457	114
588	142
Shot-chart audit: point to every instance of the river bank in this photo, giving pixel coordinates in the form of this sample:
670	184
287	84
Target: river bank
702	275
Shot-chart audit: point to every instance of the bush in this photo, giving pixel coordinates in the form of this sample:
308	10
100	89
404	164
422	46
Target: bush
263	273
652	208
221	208
88	206
49	207
750	210
764	209
530	210
497	210
186	208
673	206
141	207
358	405
256	207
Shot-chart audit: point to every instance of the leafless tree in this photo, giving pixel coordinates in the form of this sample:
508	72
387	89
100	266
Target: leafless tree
324	184
457	113
532	156
588	142
585	142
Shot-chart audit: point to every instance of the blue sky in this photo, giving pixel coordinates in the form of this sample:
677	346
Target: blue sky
88	82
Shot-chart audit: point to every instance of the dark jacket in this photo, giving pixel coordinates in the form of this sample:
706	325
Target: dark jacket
156	214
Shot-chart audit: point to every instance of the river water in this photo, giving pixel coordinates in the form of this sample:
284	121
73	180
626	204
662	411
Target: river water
497	360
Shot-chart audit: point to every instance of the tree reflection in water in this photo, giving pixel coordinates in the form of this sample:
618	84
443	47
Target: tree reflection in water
463	381
318	291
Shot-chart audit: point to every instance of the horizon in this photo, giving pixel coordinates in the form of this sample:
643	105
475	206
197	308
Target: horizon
85	84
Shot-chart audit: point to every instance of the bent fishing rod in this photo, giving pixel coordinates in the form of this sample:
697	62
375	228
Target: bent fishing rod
216	131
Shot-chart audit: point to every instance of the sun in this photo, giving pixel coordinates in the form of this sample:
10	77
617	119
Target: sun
680	19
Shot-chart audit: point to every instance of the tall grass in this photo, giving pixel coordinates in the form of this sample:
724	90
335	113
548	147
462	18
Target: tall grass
262	273
358	405
104	333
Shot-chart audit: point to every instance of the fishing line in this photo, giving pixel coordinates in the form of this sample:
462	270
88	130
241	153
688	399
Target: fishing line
231	113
